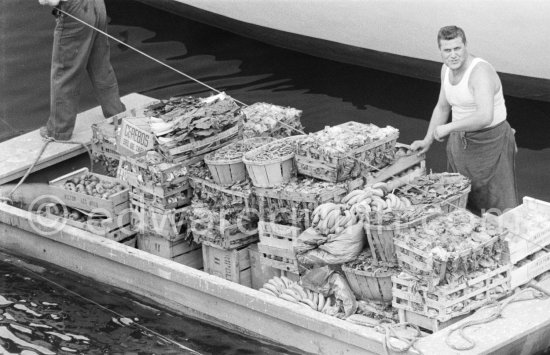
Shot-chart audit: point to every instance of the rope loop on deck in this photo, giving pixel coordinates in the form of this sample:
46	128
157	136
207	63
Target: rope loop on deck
537	293
389	333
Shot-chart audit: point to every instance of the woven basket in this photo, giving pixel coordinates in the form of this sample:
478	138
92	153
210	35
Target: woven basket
231	171
367	285
270	173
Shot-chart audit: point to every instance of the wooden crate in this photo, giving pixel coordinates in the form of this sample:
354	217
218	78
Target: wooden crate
340	167
529	271
104	140
295	208
192	152
395	169
427	323
112	206
130	241
276	245
446	302
529	227
271	173
422	264
232	265
169	249
260	273
170	223
174	198
115	229
165	173
214	194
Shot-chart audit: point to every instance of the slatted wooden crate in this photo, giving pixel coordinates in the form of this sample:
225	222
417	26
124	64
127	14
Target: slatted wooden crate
160	246
170	223
232	265
191	152
260	273
397	168
174	198
533	268
111	206
446	302
296	208
340	167
422	263
214	194
276	245
116	229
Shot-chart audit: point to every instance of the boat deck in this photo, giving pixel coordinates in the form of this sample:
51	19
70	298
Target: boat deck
18	154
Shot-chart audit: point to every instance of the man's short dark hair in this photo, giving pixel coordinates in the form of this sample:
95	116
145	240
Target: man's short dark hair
450	32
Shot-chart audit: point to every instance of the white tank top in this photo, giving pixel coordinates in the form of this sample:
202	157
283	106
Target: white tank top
462	101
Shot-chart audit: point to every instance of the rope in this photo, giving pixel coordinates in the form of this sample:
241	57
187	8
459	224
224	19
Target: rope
537	292
143	53
9	198
142	327
389	333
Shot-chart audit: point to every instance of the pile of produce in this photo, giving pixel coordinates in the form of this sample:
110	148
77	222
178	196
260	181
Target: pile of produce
330	218
153	168
365	262
218	198
179	119
266	120
92	185
292	206
271	151
237	149
339	141
462	240
434	188
291	291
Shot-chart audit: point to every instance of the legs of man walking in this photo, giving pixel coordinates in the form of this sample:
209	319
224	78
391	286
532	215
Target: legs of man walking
78	48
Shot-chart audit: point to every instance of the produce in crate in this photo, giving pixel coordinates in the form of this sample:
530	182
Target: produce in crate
153	168
272	151
267	120
344	151
291	291
449	247
181	118
237	149
91	184
449	190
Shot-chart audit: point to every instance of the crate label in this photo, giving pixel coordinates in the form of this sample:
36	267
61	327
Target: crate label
134	137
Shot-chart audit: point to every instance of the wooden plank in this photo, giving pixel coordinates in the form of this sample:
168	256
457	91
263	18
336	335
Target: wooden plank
17	154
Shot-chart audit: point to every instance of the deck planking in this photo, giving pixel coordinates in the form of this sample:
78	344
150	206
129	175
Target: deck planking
18	154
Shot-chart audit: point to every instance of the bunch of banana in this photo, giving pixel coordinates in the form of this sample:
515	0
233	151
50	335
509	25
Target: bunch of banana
331	218
291	291
375	198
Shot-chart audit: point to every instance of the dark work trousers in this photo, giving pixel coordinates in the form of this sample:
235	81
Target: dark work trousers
76	49
487	157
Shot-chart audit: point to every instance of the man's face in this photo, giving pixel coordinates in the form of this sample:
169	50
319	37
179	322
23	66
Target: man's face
453	52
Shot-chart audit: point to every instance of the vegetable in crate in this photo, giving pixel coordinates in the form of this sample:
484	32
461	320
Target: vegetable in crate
271	151
151	168
237	149
264	120
434	188
183	118
92	185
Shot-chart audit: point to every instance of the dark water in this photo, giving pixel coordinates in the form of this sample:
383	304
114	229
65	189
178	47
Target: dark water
327	92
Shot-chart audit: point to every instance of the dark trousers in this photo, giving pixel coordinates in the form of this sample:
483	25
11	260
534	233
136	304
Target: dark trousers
77	49
487	157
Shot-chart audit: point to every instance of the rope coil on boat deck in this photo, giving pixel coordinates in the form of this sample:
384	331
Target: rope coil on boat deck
537	293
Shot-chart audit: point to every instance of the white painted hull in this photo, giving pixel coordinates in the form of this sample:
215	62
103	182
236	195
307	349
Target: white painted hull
400	35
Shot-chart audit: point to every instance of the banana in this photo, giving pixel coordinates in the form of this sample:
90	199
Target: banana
405	201
327	305
276	280
378	192
351	195
272	288
327	209
331	217
317	209
380	185
309	303
343	220
309	293
321	303
322	226
288	282
316	219
315	299
292	292
266	291
288	298
300	290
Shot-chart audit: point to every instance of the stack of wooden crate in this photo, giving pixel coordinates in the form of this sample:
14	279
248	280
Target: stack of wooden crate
160	197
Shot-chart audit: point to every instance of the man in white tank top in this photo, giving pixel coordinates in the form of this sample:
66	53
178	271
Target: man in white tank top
481	143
